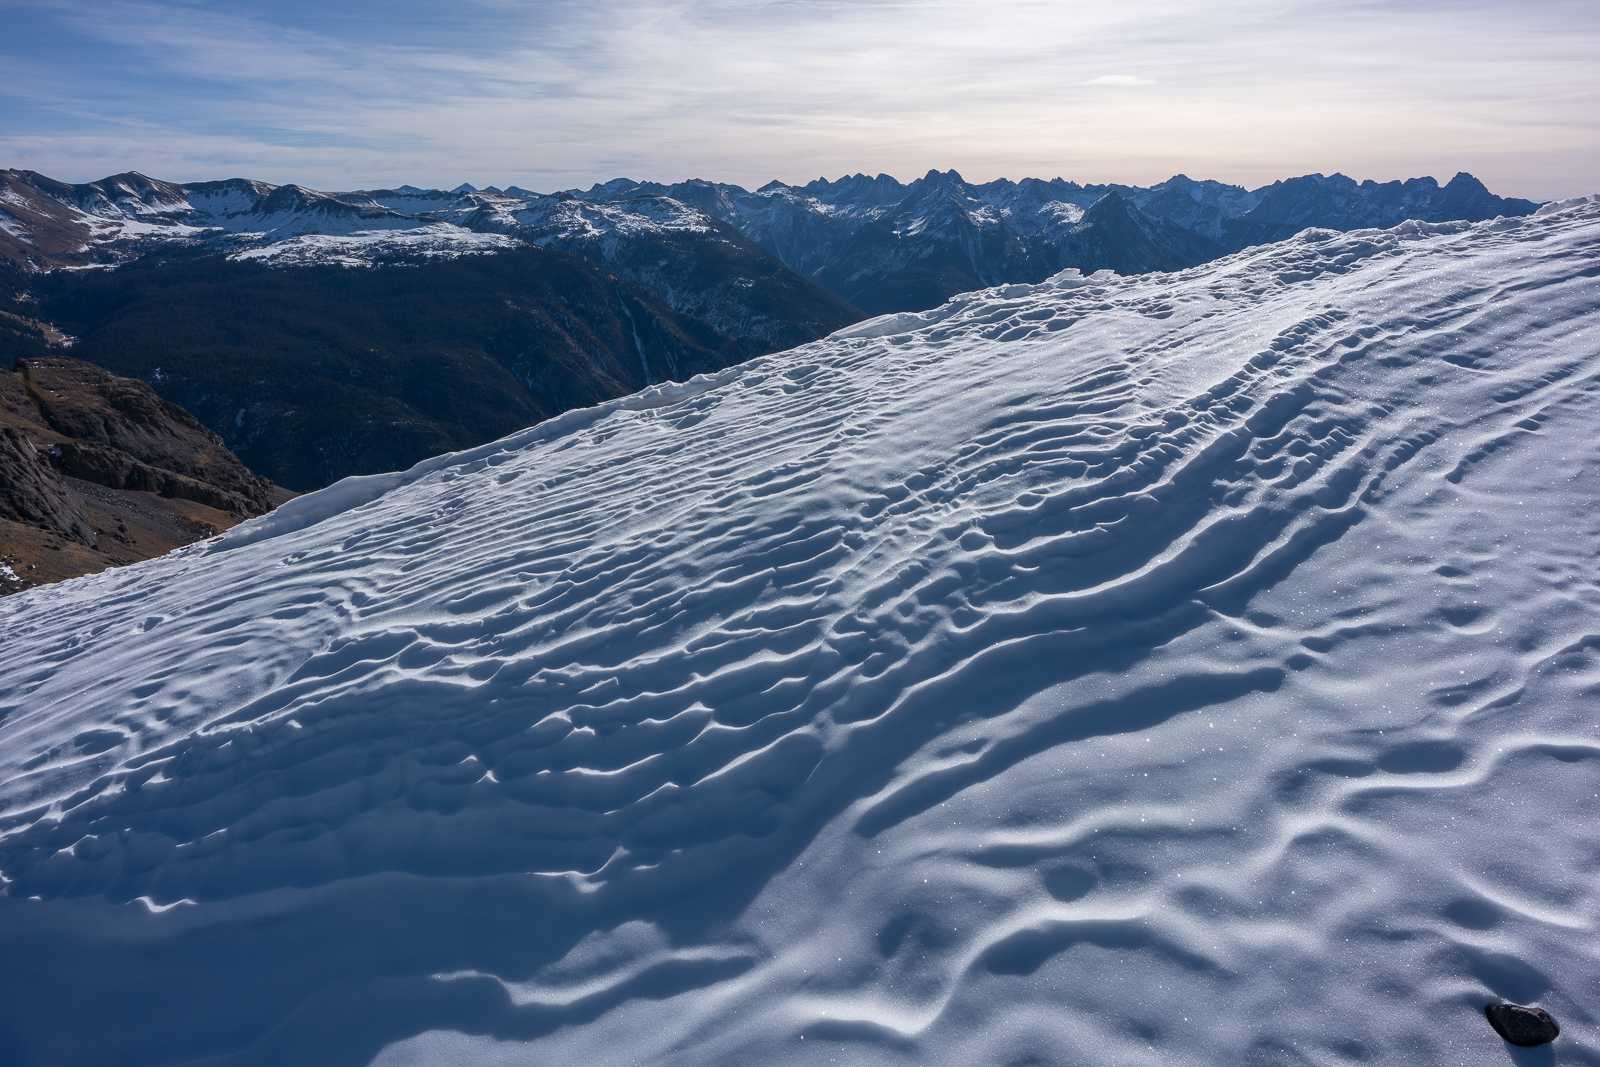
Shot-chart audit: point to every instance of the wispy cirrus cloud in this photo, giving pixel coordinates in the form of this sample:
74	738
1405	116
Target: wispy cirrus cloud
562	93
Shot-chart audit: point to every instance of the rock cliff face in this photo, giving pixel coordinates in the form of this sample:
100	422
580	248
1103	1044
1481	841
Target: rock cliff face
98	471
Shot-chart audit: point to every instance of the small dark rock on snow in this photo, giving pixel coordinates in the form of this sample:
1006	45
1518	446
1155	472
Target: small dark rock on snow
1522	1026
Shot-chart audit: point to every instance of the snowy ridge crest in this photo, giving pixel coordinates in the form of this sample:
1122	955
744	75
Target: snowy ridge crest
350	493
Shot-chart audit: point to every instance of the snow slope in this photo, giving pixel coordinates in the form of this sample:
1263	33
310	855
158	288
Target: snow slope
1178	669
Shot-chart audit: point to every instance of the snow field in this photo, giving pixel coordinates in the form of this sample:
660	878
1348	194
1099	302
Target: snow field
1191	668
365	248
358	230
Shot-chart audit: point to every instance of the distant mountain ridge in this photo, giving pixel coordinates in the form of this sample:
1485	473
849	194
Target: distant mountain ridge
888	246
878	243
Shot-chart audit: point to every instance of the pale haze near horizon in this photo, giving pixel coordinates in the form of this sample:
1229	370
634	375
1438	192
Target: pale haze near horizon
563	94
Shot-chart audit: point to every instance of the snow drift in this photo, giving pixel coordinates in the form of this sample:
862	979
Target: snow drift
1191	668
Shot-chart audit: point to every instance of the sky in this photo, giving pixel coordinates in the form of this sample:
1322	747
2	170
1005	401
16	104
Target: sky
341	94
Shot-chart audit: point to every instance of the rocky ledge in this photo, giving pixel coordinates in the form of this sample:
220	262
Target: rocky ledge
98	471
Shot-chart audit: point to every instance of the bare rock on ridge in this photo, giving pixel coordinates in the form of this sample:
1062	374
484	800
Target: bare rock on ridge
123	436
33	491
98	471
1525	1027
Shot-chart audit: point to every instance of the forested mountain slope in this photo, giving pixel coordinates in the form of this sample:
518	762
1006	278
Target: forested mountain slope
314	373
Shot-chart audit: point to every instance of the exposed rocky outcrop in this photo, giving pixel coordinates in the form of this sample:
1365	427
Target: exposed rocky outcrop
121	435
1521	1026
98	471
33	491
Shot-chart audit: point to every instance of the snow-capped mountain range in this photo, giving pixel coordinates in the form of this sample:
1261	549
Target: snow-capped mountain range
888	246
1191	668
881	244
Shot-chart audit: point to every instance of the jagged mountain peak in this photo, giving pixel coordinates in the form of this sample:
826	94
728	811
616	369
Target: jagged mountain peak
1337	201
613	189
290	197
245	185
1053	185
131	182
1465	183
1109	204
858	189
1196	188
1113	209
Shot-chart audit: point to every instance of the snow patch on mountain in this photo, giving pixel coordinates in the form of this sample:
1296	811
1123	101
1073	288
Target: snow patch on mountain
552	219
364	248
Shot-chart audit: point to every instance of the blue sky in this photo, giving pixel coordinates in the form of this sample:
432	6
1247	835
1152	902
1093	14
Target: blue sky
339	94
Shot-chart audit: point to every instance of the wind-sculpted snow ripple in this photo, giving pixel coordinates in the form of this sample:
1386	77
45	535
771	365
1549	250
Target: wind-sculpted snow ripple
870	689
